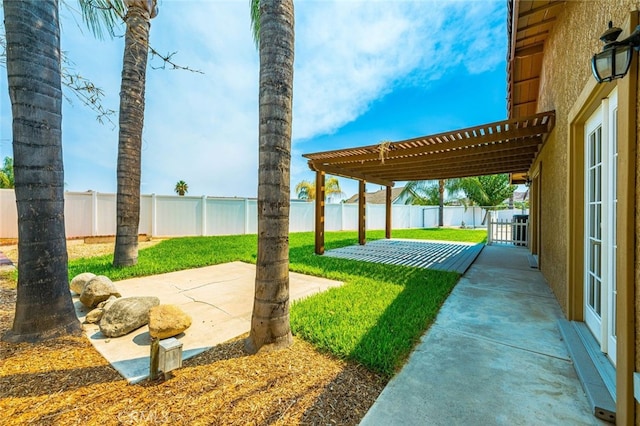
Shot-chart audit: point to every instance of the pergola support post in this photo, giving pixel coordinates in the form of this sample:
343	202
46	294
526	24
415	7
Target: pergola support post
362	204
320	212
387	223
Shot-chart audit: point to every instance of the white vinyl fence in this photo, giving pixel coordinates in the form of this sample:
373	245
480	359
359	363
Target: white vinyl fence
94	214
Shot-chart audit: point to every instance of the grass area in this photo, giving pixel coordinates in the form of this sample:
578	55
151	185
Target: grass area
192	252
376	318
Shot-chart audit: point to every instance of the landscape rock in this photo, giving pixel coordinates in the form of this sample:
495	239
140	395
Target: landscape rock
97	290
94	316
127	314
167	321
105	305
78	283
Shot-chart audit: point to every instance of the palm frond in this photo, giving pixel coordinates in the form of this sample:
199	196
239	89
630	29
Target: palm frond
102	16
255	21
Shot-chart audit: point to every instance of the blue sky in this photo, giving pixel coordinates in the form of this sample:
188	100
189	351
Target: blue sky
365	71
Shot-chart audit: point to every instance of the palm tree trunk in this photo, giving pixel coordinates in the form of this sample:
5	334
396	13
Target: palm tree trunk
44	307
134	69
270	320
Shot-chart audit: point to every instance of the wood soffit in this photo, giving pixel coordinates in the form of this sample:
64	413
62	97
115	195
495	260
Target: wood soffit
529	24
508	146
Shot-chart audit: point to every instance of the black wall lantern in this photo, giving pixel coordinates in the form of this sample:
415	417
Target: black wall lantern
615	59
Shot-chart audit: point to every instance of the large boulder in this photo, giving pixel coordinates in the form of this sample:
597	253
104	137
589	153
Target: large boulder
126	314
78	282
98	289
167	321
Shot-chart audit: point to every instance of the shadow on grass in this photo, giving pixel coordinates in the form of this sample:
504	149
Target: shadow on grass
377	317
387	345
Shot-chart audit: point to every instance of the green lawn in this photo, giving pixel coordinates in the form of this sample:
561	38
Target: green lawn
376	318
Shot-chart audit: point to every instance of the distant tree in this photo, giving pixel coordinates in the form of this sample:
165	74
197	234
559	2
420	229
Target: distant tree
488	192
428	193
181	188
421	193
6	174
307	190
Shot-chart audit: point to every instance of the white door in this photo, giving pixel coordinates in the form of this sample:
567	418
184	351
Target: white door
600	224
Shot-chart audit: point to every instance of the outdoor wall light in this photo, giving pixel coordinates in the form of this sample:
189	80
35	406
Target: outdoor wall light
615	59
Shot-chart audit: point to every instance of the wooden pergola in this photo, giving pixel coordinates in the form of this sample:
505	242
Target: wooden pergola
508	146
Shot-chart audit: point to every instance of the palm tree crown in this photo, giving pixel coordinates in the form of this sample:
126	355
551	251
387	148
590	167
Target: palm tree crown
181	188
306	190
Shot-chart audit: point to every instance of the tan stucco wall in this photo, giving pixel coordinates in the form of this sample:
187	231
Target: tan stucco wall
566	70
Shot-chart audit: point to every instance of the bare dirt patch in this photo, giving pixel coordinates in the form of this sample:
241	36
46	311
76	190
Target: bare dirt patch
66	381
78	248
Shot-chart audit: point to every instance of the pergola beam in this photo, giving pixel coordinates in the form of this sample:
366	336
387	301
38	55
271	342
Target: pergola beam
496	152
449	174
346	173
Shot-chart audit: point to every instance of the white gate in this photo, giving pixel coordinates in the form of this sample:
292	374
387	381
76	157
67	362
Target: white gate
508	231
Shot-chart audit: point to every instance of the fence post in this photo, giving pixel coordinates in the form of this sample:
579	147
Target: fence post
489	226
94	213
154	227
246	216
204	216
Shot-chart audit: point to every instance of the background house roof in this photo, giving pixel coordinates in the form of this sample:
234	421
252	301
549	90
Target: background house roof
377	197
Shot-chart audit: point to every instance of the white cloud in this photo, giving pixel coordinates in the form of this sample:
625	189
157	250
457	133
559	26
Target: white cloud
351	53
203	128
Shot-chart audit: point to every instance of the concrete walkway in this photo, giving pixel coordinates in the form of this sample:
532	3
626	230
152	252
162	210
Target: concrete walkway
493	357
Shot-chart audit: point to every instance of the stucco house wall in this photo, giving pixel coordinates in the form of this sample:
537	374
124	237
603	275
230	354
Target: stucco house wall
566	70
565	73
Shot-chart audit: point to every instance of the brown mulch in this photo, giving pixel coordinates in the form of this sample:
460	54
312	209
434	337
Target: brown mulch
66	381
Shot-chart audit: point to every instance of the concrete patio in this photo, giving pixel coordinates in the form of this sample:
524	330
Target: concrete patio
494	356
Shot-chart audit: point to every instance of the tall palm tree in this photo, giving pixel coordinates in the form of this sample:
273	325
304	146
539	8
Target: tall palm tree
426	192
181	188
270	325
486	191
101	15
134	67
306	190
43	307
